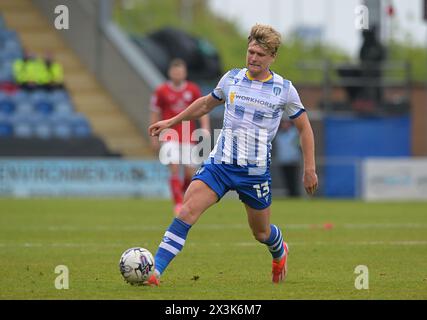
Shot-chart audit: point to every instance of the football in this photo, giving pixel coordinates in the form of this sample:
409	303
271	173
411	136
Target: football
136	265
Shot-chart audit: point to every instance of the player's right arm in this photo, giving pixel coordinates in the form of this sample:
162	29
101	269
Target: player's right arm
196	110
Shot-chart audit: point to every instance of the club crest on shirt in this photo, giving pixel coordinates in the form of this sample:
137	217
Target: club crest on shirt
277	90
187	95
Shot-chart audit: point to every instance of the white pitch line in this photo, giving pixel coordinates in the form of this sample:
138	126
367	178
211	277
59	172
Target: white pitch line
384	225
325	243
214	244
216	227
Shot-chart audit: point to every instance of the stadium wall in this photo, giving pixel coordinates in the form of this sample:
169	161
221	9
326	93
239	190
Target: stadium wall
82	177
108	54
312	96
349	140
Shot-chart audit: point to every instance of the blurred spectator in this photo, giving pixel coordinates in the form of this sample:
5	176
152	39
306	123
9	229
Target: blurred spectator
372	54
55	71
33	72
37	73
289	156
19	70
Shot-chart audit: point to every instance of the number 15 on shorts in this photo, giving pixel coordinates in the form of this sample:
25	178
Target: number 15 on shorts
262	189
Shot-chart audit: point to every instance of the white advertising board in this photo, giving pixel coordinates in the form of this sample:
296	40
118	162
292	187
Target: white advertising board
394	179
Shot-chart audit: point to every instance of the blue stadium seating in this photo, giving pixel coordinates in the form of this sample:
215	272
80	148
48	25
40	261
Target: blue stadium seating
24	107
10	50
42	129
22	126
38	95
63	108
43	107
58	96
61	127
6	128
6	73
34	113
7	106
80	126
20	96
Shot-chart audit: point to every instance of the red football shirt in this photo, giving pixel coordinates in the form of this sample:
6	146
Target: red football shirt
170	101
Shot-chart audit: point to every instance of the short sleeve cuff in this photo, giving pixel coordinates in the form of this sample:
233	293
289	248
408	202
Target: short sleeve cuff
215	96
296	115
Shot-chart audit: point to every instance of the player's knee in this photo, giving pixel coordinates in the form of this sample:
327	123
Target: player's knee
187	213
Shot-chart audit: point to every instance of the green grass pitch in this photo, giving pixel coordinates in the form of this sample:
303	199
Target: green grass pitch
221	260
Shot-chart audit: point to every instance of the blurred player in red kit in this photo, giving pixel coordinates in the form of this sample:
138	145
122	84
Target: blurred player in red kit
168	100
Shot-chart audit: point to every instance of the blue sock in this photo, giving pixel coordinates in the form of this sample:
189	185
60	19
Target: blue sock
275	242
172	243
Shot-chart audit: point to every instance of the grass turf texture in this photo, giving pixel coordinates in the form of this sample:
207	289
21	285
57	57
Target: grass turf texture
221	260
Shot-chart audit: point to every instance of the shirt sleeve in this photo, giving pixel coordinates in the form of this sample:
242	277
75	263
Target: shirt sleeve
294	107
219	91
154	102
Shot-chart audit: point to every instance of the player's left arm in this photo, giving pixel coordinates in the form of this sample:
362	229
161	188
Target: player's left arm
307	145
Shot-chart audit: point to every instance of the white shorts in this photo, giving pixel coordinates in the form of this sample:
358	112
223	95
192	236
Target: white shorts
174	152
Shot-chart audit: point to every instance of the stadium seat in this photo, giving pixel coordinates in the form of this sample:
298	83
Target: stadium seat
62	130
58	96
11	50
82	130
20	96
43	107
60	124
7	106
80	126
42	129
6	129
24	108
6	34
63	108
6	73
8	56
38	95
22	126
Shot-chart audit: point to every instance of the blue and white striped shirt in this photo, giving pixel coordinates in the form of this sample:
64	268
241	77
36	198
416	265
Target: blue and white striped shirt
253	110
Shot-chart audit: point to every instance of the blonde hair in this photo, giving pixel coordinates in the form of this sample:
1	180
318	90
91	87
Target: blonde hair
266	37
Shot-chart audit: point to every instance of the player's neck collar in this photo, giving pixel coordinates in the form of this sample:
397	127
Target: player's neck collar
263	80
177	88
